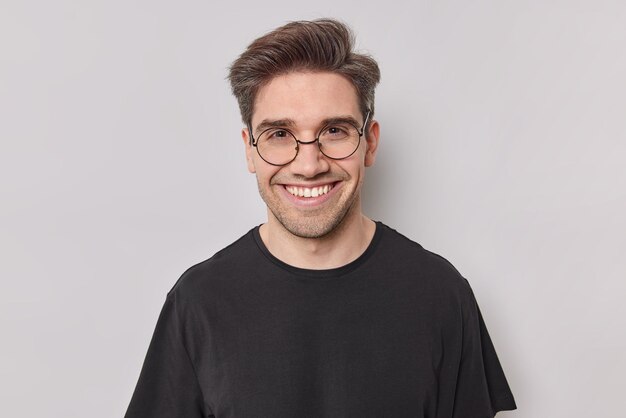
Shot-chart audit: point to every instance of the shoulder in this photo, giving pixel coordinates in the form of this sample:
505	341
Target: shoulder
202	278
431	270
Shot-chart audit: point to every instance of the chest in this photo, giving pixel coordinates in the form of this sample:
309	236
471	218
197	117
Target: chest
321	351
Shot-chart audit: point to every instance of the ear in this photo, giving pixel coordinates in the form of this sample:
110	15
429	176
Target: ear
371	138
245	135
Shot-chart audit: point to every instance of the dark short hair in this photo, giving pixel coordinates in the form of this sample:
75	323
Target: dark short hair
318	45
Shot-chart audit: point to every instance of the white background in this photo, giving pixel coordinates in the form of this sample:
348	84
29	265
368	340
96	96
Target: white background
502	148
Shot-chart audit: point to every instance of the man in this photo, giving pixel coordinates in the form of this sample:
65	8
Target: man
320	312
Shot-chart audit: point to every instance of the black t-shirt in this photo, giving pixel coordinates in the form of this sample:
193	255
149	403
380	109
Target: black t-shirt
395	333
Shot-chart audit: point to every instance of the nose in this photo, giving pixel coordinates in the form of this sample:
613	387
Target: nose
309	162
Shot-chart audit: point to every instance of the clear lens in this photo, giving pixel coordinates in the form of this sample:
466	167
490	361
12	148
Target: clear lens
277	146
339	141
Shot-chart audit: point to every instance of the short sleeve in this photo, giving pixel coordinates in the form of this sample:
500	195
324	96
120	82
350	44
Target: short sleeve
474	382
167	386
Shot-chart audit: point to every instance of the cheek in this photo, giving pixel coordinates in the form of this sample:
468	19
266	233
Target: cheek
354	171
264	173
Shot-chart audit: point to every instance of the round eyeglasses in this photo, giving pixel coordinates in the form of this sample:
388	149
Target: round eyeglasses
337	140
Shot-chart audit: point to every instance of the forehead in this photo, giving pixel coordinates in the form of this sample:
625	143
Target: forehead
306	98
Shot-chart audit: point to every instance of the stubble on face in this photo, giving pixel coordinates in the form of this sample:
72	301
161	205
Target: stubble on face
315	223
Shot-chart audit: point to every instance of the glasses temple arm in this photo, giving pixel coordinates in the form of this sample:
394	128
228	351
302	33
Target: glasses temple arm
367	118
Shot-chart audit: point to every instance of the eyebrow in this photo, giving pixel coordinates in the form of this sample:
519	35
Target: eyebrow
291	124
278	123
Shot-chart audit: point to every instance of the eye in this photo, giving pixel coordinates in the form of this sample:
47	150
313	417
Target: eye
334	132
275	135
279	133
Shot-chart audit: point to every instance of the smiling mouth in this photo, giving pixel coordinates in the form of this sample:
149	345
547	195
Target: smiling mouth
309	191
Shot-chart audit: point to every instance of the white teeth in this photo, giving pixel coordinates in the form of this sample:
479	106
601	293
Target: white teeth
309	192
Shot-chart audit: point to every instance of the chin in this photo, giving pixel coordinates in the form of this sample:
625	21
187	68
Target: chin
309	228
317	226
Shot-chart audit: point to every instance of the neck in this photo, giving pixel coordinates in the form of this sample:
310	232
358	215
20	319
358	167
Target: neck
338	248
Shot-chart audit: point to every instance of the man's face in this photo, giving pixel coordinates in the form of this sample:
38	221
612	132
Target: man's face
331	188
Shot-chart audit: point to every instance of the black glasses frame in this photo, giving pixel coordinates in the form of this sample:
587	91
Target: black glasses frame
254	142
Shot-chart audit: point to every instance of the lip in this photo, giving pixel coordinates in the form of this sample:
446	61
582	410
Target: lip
308	202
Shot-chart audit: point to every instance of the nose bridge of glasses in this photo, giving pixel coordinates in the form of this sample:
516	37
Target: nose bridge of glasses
307	142
302	153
